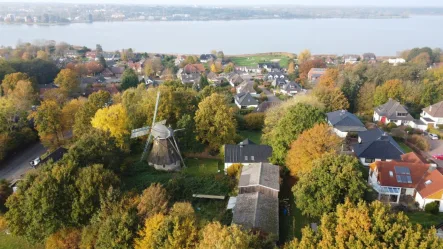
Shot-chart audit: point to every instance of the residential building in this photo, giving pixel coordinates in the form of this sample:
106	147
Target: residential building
264	106
369	57
433	115
179	60
392	112
418	124
247	87
194	68
245	100
279	82
111	56
189	78
271	76
396	61
234	79
91	55
315	74
351	59
257	206
269	66
71	54
344	122
205	58
291	89
407	179
376	145
117	71
246	152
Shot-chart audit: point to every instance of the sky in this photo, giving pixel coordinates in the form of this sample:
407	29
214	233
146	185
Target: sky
396	3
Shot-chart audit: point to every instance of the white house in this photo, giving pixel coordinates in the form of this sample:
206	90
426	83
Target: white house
247	87
246	152
245	101
392	112
433	115
396	61
291	89
344	122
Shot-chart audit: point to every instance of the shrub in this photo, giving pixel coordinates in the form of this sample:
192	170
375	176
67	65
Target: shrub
440	126
420	142
254	121
391	126
263	97
432	207
241	124
234	170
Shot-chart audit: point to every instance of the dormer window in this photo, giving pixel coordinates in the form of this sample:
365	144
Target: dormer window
428	182
402	114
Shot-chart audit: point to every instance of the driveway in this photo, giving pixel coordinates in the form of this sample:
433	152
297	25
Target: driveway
271	97
18	165
436	148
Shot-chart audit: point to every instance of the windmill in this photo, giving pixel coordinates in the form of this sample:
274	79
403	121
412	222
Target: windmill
165	154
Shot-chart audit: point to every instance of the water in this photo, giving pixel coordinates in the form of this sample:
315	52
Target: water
321	36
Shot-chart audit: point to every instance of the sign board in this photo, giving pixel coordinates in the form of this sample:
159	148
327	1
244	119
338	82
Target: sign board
140	132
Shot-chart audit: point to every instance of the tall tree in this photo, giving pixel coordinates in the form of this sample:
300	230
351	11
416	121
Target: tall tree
365	99
311	145
215	121
42	55
66	238
47	120
214	235
154	200
390	89
68	80
129	79
333	179
23	95
5	192
332	98
114	120
10	81
5	68
291	67
68	112
329	79
304	56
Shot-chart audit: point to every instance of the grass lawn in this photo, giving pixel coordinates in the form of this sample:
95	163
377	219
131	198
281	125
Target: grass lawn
250	61
254	136
425	219
13	242
403	146
202	166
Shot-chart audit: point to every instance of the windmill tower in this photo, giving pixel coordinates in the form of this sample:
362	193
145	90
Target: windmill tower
165	154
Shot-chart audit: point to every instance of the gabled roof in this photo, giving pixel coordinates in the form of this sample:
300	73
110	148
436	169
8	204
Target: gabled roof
431	185
345	121
390	110
194	68
388	171
263	174
247	153
264	106
117	70
246	87
376	144
291	86
245	99
257	211
246	141
435	110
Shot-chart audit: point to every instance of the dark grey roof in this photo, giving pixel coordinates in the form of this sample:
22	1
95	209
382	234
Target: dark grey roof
245	99
246	141
247	153
256	210
345	121
246	87
376	144
207	57
390	110
265	106
263	174
269	65
279	82
291	86
190	78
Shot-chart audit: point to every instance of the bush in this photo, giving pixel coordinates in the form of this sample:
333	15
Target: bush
440	126
420	142
241	124
391	126
234	170
432	207
254	121
263	98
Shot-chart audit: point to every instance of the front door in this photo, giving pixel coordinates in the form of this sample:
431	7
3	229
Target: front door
383	119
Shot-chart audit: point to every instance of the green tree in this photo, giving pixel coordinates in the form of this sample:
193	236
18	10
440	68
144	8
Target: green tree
365	99
102	61
187	137
333	179
42	55
393	89
47	120
364	225
297	119
5	192
332	97
215	121
255	121
154	200
5	68
129	79
229	68
68	80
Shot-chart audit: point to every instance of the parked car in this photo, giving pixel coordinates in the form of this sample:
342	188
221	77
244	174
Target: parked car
438	157
35	162
433	136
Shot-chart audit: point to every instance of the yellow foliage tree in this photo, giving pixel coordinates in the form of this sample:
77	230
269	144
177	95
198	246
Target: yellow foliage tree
329	79
304	56
309	146
69	111
64	239
213	68
114	120
148	238
42	55
291	67
67	80
217	236
393	89
332	98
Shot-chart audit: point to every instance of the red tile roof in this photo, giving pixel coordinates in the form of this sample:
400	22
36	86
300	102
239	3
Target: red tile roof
194	68
431	185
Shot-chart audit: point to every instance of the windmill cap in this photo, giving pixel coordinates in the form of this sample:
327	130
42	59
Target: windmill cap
161	131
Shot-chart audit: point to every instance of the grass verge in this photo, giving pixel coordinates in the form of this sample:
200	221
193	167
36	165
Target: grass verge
254	136
427	220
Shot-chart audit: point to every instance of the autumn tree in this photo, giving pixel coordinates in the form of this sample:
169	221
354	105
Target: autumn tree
94	67
291	67
215	123
114	120
306	66
311	145
304	56
217	236
229	68
157	65
47	120
393	89
254	121
42	55
67	80
329	79
5	192
148	68
332	98
365	99
295	120
10	81
364	225
66	238
129	79
332	179
23	95
154	200
68	112
57	95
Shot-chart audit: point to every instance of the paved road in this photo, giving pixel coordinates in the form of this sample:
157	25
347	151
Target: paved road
18	165
271	97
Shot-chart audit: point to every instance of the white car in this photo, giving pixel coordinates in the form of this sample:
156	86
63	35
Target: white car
35	162
433	136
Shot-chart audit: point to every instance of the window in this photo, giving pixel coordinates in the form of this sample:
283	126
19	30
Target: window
428	182
252	158
391	174
369	160
246	158
401	114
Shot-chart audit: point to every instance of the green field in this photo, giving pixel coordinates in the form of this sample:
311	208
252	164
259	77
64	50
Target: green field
253	60
427	220
13	242
254	136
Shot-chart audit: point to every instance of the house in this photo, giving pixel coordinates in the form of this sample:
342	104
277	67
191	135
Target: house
245	100
275	75
117	71
234	79
376	145
190	78
136	66
214	78
418	124
179	60
194	68
407	179
246	152
396	61
433	115
315	73
205	58
369	57
392	112
344	122
107	73
257	206
247	87
264	106
291	89
279	82
71	54
351	59
91	55
111	56
269	66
